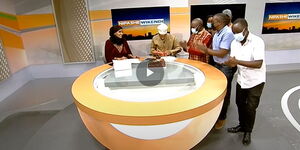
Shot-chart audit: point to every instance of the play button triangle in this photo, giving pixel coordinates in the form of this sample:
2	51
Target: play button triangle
149	72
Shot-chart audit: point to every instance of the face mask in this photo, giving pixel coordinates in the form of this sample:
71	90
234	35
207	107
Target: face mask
239	36
194	31
209	25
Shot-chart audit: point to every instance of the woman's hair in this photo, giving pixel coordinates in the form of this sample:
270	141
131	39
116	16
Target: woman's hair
114	39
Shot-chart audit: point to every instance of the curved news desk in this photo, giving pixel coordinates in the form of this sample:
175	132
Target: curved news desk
173	117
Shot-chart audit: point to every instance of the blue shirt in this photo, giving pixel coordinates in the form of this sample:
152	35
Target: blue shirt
222	40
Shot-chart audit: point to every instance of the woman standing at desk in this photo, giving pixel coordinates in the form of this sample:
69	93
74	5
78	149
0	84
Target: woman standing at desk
116	47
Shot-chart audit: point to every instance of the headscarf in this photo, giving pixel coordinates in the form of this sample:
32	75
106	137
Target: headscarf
114	39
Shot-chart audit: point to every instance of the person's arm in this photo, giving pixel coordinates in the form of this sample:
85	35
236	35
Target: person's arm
224	46
176	47
153	46
250	64
108	51
220	53
206	42
128	51
232	62
258	56
184	45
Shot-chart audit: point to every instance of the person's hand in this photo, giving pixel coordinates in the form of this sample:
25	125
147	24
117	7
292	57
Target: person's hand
120	58
202	47
158	52
155	52
183	44
231	62
131	56
167	53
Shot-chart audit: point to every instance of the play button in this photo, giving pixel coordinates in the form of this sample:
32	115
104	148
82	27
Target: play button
149	72
149	76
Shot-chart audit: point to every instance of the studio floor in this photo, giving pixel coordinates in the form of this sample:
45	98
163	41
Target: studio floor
55	124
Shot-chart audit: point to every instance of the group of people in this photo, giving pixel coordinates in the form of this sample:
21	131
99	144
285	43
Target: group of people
228	46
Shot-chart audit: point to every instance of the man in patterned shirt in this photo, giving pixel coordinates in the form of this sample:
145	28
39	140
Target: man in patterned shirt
199	35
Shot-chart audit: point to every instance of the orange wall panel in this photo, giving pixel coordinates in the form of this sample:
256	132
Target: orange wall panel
100	14
9	20
11	40
179	10
35	21
180	25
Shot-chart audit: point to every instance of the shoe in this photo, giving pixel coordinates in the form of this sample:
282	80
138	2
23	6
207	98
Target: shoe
247	138
220	124
235	129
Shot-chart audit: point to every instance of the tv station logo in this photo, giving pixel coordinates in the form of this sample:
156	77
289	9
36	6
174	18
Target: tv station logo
284	16
147	22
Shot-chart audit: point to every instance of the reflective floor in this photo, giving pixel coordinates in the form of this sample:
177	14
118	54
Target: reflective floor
51	121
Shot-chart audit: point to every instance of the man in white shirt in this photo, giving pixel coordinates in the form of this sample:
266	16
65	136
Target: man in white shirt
248	54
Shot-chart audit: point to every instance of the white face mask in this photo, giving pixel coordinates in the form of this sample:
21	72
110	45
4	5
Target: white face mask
239	36
209	25
194	30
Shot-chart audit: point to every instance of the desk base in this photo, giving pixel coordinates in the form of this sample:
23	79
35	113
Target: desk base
187	138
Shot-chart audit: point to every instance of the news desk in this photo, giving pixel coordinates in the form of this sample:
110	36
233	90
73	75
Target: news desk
168	116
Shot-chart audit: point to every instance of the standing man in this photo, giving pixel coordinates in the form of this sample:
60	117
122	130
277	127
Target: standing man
199	34
164	44
229	14
220	51
248	54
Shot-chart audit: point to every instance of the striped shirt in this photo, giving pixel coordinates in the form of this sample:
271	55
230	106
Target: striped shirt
202	37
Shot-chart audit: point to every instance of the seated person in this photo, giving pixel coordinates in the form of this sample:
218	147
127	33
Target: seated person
116	47
199	35
164	44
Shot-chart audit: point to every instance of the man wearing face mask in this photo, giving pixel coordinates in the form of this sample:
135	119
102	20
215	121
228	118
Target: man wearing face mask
199	34
247	53
212	32
220	51
209	25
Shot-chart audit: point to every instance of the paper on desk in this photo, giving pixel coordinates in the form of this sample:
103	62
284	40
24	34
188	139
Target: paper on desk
121	64
169	58
133	60
123	73
124	64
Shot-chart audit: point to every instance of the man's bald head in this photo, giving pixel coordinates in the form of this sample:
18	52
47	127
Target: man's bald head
197	22
239	25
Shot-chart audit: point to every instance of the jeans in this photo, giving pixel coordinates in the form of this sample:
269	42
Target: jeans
228	72
247	101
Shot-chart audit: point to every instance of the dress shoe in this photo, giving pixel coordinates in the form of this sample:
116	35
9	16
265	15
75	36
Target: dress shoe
247	138
235	129
220	124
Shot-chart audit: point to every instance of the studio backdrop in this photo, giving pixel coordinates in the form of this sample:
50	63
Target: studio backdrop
202	11
281	18
140	23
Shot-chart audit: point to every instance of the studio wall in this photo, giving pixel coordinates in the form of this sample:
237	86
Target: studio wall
254	15
29	35
101	20
11	37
